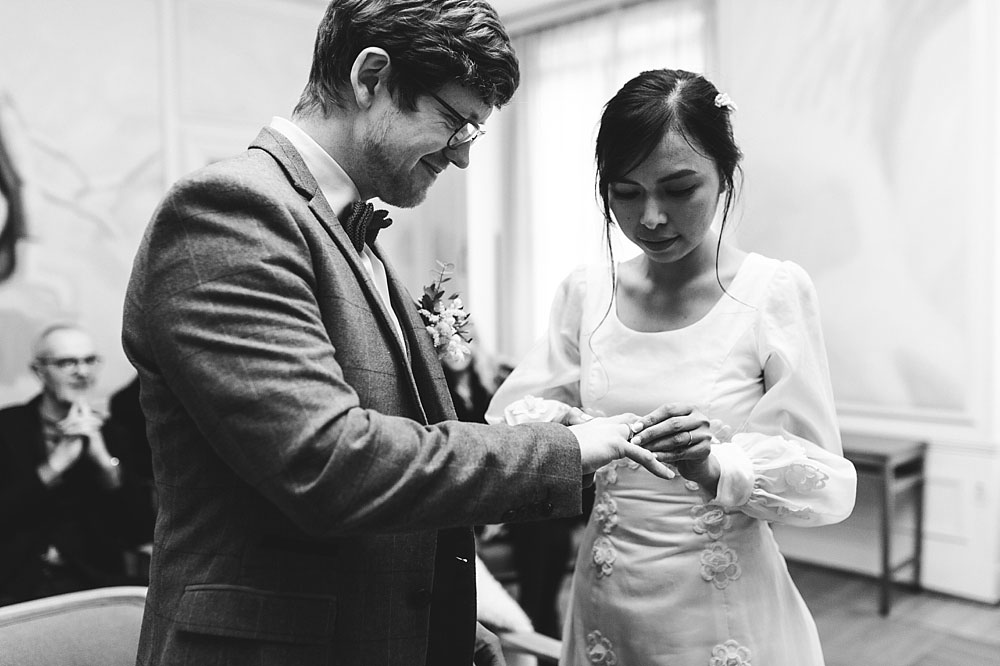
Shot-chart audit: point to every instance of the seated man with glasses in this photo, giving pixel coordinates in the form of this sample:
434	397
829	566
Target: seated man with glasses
69	508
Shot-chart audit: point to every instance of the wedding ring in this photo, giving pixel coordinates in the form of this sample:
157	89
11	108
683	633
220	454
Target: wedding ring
631	433
690	438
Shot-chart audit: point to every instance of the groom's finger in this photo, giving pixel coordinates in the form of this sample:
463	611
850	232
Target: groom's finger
648	460
575	416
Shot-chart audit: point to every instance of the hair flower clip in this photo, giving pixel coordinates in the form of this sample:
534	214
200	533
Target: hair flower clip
724	100
445	319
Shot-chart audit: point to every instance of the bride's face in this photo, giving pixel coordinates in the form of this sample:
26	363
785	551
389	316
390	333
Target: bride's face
666	204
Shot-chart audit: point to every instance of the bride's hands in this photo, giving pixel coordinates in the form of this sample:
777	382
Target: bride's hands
603	440
681	435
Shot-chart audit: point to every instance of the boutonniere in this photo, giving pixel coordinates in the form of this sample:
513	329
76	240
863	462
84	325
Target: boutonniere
445	318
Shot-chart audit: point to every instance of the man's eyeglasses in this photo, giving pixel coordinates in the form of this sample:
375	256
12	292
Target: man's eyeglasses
65	363
468	130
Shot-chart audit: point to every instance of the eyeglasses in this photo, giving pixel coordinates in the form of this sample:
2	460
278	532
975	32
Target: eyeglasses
468	131
65	363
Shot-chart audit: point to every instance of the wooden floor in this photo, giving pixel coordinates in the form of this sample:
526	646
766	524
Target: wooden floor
923	629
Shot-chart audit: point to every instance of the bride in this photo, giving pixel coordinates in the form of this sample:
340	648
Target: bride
686	572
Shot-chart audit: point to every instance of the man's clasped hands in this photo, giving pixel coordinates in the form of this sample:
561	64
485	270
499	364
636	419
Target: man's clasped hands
79	438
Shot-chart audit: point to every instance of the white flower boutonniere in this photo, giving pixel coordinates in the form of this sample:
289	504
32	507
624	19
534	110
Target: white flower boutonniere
445	318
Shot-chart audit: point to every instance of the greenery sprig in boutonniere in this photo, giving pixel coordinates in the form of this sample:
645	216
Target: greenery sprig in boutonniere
445	319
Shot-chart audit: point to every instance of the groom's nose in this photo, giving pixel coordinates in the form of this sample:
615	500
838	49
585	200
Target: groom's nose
459	156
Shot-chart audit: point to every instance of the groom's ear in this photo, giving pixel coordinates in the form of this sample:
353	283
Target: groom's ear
369	75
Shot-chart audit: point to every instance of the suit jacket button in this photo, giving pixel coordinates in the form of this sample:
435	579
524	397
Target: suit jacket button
547	509
421	598
508	515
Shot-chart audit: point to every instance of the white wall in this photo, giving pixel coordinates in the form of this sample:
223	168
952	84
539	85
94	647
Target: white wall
232	64
871	139
104	105
871	159
80	110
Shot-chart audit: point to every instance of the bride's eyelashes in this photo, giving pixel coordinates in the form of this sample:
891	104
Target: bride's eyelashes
677	193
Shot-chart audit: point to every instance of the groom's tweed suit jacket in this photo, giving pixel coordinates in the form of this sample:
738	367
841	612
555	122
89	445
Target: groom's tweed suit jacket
311	488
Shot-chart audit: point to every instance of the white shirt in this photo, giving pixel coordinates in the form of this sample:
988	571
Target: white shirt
340	192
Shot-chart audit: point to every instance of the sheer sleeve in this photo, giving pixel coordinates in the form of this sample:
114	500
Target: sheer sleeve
786	464
546	383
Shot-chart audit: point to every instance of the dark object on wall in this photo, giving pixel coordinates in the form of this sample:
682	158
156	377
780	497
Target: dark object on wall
12	226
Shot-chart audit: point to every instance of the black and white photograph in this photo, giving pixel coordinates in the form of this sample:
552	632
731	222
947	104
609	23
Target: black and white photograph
500	333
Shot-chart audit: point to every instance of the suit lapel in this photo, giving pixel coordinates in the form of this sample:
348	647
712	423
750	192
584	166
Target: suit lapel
302	179
332	224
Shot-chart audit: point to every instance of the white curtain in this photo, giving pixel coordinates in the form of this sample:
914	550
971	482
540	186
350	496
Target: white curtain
533	210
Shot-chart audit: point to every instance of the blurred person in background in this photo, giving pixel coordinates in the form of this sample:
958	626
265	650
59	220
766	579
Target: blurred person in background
70	509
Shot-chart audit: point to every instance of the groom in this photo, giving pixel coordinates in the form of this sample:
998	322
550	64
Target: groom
313	490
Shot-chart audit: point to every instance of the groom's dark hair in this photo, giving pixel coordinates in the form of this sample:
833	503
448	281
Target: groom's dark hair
430	43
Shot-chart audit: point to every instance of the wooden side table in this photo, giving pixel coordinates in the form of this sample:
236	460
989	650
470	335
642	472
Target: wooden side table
899	464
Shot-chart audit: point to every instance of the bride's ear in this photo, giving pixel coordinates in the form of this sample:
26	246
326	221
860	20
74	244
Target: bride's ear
369	75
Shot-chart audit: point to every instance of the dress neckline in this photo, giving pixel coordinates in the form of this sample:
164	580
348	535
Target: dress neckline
733	290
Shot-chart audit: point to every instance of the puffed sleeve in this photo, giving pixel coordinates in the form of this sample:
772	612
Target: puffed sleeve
546	383
786	464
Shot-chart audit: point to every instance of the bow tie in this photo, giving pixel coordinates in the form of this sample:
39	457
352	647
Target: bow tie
363	223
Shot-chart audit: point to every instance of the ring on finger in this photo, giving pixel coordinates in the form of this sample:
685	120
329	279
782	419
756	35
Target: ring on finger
690	438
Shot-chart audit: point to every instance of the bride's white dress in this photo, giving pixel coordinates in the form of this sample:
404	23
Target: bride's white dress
668	575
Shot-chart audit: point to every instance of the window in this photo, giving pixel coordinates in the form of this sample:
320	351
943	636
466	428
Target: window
531	195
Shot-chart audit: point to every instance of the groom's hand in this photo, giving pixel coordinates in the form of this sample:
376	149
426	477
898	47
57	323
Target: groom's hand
605	439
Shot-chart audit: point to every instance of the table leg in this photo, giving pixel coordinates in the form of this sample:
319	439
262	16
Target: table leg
888	496
918	532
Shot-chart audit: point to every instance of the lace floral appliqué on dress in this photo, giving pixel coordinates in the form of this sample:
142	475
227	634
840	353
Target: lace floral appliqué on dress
606	512
599	650
719	565
805	478
730	653
604	556
710	520
610	471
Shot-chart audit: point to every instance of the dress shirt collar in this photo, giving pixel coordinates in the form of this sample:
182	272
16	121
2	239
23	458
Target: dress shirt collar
337	187
340	192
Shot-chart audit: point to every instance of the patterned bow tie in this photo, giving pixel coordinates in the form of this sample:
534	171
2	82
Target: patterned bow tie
364	222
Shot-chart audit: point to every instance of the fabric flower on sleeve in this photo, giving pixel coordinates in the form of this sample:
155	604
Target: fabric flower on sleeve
530	409
773	478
